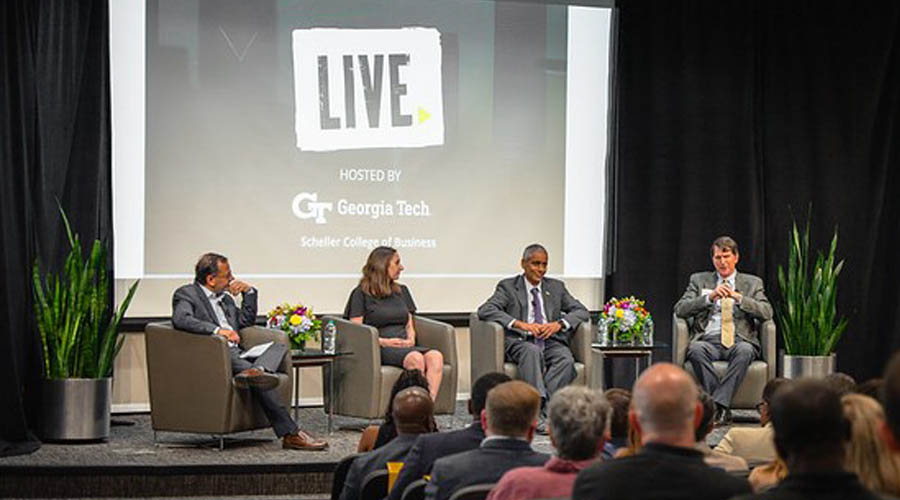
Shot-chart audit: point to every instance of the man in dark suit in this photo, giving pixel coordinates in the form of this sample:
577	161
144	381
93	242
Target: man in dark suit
204	308
430	447
509	420
538	316
665	411
723	304
412	410
811	435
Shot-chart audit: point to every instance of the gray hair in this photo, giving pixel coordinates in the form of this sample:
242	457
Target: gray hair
578	418
533	249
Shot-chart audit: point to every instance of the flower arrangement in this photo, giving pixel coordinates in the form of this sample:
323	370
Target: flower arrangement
625	322
297	321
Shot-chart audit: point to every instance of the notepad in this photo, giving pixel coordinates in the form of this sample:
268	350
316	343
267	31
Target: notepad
256	351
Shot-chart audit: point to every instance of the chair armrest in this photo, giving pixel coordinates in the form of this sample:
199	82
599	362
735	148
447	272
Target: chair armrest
358	375
581	344
486	346
255	335
187	369
436	335
767	340
679	340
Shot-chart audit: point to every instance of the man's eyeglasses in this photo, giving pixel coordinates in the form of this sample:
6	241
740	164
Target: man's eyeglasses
760	405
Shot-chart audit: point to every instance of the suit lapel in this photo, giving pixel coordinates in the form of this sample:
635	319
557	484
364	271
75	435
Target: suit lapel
549	303
211	314
522	296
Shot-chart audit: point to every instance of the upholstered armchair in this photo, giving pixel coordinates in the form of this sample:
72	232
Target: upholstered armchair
362	385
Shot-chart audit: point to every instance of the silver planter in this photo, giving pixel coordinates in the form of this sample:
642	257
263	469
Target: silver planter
807	366
75	409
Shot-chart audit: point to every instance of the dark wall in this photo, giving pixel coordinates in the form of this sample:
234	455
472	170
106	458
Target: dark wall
735	116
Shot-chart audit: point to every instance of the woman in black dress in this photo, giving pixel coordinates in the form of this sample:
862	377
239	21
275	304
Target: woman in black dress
381	302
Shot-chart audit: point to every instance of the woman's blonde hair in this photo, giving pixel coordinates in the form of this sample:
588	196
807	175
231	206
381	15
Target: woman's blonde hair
867	454
375	280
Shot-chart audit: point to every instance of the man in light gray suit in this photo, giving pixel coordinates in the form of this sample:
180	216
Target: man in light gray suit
539	317
723	304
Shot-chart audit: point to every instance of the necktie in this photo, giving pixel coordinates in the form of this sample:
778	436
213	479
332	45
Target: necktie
727	322
538	312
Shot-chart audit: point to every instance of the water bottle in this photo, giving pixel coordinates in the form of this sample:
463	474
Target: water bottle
328	335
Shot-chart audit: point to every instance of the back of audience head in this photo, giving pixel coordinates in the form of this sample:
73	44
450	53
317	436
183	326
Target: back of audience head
620	401
664	406
511	410
868	455
480	389
841	382
810	428
890	399
408	378
413	411
706	421
578	422
769	391
871	388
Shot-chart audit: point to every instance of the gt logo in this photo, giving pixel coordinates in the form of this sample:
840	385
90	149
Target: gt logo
308	206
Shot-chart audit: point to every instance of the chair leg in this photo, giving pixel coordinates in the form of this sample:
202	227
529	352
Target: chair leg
155	438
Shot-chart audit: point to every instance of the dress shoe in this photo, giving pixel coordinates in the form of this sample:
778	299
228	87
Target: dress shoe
723	417
302	441
254	377
541	426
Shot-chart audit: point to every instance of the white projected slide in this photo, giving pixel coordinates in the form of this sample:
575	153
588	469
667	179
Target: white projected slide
294	137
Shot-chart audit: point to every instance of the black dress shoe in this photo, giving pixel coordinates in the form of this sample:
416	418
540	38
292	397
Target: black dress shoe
723	417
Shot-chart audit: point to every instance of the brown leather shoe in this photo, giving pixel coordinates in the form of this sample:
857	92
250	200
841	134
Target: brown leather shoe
302	441
254	377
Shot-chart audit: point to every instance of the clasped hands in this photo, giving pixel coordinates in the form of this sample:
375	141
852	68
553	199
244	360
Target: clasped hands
722	291
396	342
541	331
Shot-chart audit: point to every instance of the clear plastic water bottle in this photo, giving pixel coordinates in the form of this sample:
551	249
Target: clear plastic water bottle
328	336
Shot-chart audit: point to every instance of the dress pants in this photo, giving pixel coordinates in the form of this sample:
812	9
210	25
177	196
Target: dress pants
270	360
701	354
548	369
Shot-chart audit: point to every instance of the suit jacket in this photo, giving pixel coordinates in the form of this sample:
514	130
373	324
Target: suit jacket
192	312
486	464
510	302
657	471
754	444
365	464
430	447
754	305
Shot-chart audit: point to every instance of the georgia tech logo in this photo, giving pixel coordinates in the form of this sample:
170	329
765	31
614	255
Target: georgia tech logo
308	206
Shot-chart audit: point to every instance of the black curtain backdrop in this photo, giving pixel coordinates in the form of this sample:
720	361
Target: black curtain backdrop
732	116
54	145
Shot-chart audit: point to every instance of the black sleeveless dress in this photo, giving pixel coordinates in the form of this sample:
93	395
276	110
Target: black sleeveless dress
389	315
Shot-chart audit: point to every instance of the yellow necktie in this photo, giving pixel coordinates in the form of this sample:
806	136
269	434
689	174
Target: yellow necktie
727	322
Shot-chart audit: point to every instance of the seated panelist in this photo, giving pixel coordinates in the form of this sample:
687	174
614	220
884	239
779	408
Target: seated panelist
539	317
381	302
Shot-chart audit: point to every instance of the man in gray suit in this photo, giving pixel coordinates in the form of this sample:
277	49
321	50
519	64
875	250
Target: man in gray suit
723	304
204	308
538	316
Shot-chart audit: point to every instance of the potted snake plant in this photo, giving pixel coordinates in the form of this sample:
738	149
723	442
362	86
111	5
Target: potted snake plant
79	340
807	313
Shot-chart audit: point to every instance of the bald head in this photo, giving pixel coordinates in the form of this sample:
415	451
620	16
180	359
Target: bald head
413	411
665	405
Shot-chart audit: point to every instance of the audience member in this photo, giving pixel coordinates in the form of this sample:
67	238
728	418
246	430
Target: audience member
871	388
711	457
578	426
413	414
430	447
754	444
665	410
620	401
841	382
509	420
632	443
810	435
890	398
766	476
867	454
376	436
